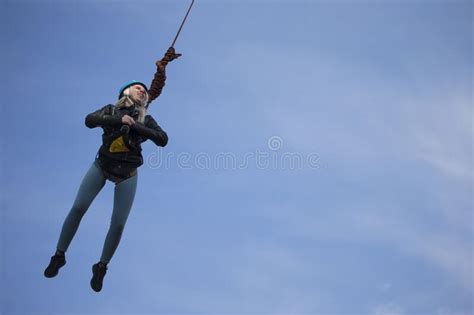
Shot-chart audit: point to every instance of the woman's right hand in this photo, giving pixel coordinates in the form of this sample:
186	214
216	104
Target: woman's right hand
128	120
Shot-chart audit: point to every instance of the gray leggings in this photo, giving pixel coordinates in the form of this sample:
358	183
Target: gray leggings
91	185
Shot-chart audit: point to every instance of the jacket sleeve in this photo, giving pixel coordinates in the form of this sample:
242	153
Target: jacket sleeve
151	130
157	84
106	116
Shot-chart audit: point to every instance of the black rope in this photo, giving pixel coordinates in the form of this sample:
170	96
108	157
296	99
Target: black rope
184	20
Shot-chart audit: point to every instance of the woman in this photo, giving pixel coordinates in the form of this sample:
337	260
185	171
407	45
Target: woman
126	125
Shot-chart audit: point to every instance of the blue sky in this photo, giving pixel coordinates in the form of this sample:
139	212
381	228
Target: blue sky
380	92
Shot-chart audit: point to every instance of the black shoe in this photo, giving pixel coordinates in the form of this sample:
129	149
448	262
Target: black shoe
98	273
57	261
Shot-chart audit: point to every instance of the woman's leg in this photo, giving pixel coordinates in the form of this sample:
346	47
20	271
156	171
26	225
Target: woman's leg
91	185
123	200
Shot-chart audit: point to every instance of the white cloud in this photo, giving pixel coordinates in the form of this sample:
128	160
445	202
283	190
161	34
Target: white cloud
444	139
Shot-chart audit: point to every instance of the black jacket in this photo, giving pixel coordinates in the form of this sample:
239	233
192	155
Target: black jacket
120	152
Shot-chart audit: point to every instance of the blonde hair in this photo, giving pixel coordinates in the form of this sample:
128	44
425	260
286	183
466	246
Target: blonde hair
126	101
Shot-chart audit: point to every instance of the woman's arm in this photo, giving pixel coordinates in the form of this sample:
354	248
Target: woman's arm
106	116
157	83
151	131
159	79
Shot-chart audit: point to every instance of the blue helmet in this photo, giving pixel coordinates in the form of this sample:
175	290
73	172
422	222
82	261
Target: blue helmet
129	84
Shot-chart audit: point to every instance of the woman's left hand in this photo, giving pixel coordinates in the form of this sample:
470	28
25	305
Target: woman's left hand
170	55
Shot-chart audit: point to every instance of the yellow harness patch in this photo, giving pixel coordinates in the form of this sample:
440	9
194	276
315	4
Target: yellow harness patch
118	145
